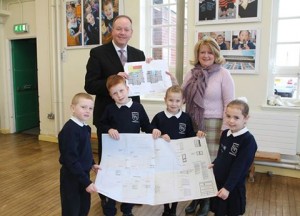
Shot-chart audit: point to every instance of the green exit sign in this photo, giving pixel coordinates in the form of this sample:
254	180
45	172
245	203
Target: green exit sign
21	28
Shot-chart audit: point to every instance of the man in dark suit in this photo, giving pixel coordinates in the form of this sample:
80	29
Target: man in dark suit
104	61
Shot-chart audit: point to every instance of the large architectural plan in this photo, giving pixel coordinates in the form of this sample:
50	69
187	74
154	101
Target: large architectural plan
138	169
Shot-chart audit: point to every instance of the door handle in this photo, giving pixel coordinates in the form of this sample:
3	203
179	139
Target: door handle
25	87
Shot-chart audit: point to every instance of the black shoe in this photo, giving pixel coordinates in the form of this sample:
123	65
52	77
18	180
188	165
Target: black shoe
165	214
130	214
192	207
204	208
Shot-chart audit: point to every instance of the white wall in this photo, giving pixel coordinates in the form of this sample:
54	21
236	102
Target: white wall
16	13
74	65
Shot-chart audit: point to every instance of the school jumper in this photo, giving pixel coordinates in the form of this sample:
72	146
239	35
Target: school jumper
235	156
76	161
176	126
129	118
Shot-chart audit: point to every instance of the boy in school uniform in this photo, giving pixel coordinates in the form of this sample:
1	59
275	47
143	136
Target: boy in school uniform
76	158
235	156
123	116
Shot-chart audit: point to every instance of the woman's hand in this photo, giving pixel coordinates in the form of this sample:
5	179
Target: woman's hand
173	78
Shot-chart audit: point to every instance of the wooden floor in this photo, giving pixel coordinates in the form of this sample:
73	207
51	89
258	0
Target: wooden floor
29	181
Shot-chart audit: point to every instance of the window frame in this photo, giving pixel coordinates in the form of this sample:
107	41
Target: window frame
281	71
169	46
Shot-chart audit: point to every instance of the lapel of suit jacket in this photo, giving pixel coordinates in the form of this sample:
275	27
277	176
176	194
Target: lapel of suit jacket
130	54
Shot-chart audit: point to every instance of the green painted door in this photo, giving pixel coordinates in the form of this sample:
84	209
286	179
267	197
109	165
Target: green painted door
24	64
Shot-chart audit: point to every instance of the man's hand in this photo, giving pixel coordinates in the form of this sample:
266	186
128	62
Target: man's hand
123	74
149	59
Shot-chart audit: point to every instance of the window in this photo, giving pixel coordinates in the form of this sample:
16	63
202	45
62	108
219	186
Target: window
286	48
162	22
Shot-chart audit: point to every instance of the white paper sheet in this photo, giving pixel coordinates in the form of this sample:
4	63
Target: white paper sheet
138	169
147	78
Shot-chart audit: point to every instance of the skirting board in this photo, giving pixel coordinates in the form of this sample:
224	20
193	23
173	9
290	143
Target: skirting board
4	131
48	138
277	171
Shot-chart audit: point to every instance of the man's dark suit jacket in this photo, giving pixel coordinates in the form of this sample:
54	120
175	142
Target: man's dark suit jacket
103	62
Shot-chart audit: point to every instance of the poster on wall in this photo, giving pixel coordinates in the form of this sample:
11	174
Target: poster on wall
89	22
238	47
227	11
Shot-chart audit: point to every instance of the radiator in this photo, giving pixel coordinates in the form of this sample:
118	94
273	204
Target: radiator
276	132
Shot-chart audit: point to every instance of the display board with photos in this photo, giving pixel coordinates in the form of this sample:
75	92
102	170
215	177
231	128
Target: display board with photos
227	11
238	47
89	22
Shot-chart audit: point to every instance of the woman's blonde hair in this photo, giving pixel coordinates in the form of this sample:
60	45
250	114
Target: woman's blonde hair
213	45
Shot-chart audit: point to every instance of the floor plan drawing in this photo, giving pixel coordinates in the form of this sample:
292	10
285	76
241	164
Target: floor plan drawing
138	169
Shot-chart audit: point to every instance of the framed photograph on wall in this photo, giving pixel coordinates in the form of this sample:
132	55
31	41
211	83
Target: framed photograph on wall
89	22
110	9
239	48
227	11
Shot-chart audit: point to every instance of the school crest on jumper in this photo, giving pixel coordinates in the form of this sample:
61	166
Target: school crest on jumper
135	117
234	149
182	128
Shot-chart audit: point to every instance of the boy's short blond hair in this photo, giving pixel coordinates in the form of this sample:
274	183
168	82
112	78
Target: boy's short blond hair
81	95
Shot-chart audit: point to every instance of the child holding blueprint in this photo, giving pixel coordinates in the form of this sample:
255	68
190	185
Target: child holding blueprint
174	124
235	156
124	116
